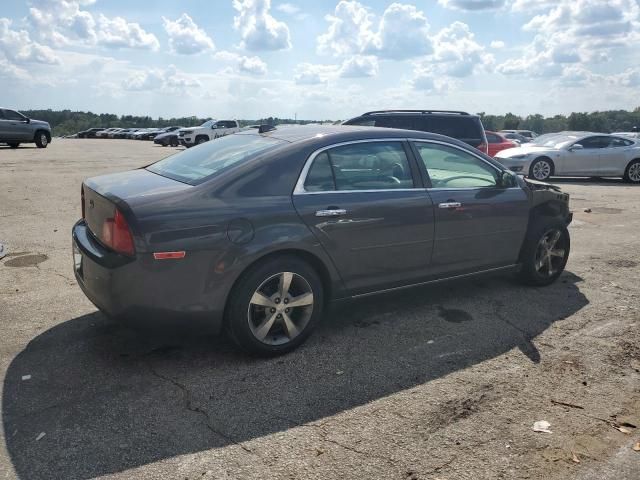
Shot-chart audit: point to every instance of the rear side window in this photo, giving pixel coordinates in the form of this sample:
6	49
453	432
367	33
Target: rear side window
11	115
401	121
620	142
361	166
463	128
493	138
320	176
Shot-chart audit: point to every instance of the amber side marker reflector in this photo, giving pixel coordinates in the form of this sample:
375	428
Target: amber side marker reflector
169	255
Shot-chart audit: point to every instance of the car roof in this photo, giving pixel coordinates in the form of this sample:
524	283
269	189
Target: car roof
329	134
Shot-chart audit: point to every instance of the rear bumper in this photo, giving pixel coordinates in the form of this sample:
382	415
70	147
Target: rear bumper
142	289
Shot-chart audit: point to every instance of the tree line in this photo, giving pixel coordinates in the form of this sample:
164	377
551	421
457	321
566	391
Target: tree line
67	122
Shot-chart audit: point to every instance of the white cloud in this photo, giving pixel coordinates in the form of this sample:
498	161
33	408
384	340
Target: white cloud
629	78
359	66
457	52
185	37
312	74
259	30
497	44
18	48
402	32
63	22
575	31
252	65
472	5
170	80
292	10
349	30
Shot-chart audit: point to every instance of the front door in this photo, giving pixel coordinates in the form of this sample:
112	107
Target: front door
362	203
14	126
480	220
585	160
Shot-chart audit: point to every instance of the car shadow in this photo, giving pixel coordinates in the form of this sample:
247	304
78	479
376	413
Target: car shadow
108	398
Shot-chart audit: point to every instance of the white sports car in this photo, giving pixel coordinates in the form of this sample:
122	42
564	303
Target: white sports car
575	154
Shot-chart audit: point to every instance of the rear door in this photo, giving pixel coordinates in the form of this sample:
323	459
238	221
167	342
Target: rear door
479	223
615	156
364	203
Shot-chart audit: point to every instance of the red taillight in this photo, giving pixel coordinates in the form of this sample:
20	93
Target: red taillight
82	200
483	147
117	235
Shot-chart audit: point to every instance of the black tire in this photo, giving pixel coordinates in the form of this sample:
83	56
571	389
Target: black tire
13	145
174	143
632	172
535	264
539	165
201	139
240	313
42	139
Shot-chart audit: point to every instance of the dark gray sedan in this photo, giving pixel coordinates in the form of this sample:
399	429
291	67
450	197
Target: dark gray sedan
256	232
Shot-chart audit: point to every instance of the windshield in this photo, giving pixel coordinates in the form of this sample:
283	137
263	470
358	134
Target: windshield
554	140
208	123
198	164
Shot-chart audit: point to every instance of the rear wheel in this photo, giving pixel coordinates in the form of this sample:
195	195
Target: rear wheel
541	169
632	173
41	139
275	306
14	145
545	251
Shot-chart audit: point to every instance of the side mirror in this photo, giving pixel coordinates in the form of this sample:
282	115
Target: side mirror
576	146
214	126
506	179
27	120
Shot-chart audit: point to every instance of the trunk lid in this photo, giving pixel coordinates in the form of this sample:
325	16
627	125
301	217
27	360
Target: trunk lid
125	191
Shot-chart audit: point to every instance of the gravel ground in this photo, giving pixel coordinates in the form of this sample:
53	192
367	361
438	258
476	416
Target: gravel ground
441	383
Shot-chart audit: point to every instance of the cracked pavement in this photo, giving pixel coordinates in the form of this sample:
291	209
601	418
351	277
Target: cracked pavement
443	382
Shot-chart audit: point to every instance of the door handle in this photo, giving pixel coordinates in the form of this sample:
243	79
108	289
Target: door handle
449	205
334	212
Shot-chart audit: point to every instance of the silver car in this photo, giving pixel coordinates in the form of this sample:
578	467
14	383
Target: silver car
575	154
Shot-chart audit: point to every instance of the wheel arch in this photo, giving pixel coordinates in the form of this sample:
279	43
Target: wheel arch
42	130
313	260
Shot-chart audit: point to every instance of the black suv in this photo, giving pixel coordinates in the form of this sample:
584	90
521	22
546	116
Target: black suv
460	125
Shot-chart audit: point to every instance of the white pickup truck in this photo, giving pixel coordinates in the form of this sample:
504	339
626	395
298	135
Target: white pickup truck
209	130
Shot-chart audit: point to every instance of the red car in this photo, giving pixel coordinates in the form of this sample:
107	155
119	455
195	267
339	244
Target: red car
497	142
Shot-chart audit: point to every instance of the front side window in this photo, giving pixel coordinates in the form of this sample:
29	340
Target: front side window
11	115
493	138
594	142
195	165
453	168
360	166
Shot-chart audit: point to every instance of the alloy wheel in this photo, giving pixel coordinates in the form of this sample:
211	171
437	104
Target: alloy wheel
550	253
280	308
634	172
541	170
43	140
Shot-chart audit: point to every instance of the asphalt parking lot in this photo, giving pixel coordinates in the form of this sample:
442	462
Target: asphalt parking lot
440	382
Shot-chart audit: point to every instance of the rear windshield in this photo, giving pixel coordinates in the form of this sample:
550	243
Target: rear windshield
197	164
465	128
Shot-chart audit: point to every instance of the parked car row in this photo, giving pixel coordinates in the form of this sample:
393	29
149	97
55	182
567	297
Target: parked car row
130	133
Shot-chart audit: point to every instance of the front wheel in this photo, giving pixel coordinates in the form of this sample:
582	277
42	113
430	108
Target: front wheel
42	140
14	145
201	140
275	306
541	169
632	173
545	252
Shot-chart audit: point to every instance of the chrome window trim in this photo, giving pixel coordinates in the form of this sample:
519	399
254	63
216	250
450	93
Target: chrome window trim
300	190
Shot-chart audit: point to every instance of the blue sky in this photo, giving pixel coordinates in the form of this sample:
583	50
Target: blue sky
319	59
